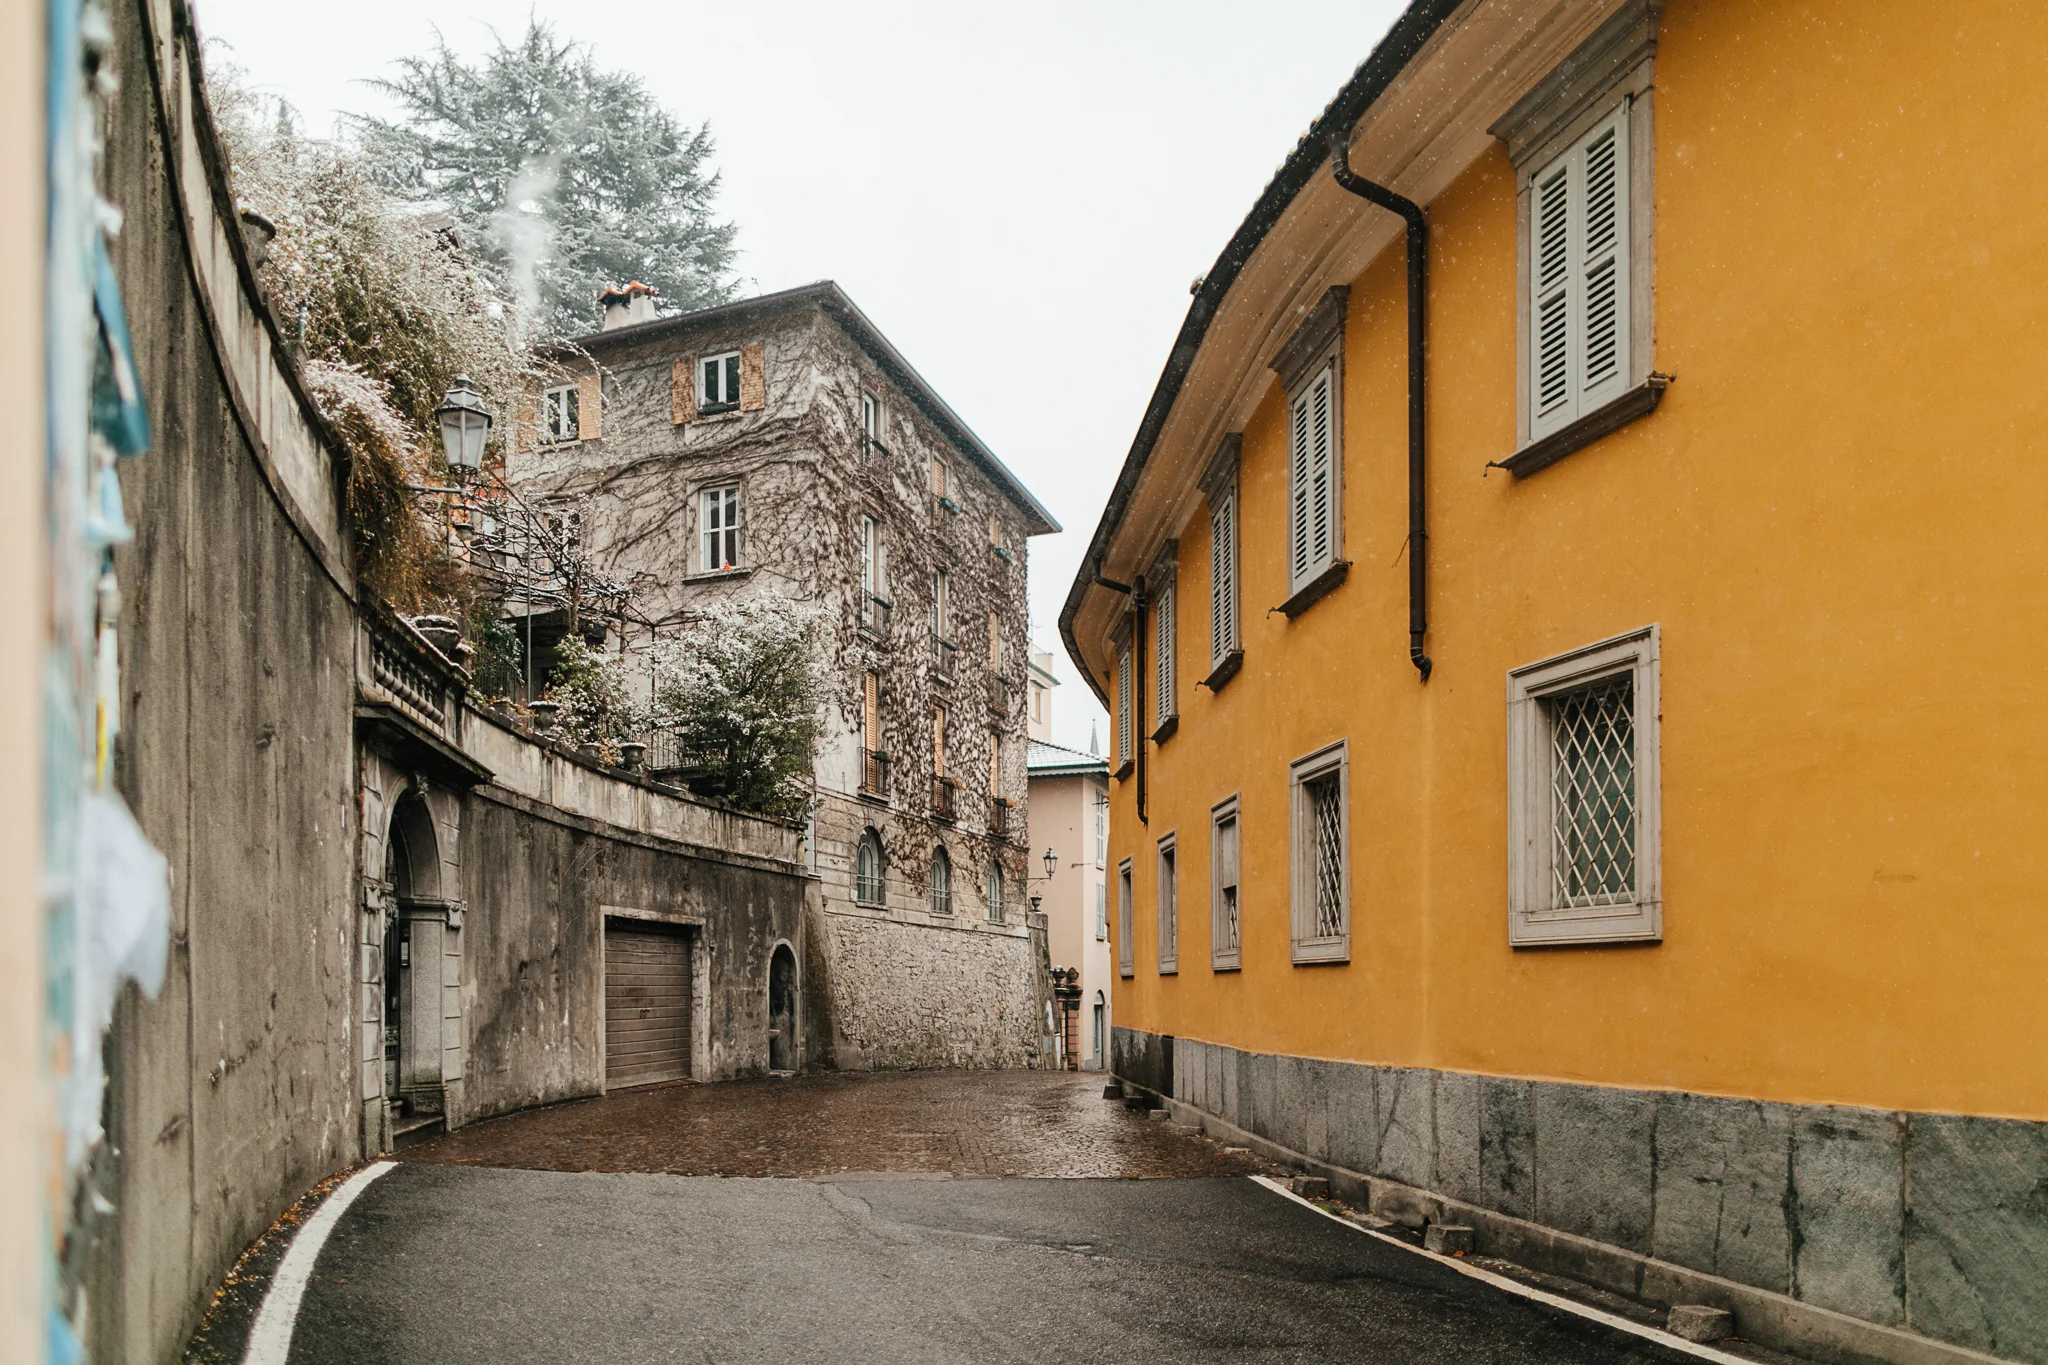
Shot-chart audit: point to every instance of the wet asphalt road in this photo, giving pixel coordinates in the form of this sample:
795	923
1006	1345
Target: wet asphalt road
467	1265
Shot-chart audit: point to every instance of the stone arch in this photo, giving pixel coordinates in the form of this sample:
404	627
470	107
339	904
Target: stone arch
412	850
870	869
942	881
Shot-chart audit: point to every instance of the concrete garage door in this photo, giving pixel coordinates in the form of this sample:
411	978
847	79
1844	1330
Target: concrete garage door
646	1005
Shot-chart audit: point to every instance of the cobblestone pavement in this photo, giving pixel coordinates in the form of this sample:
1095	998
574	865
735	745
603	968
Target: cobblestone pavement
957	1123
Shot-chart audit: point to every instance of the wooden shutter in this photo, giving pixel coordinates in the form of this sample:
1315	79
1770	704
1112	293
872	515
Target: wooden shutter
526	430
590	407
870	712
682	390
1298	491
753	377
1162	625
1604	249
1123	705
938	741
1579	277
1222	578
1322	511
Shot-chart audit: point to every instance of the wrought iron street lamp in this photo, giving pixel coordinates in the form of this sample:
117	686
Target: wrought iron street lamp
464	425
1052	862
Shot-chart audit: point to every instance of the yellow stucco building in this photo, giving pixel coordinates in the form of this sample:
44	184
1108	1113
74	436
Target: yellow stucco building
1612	804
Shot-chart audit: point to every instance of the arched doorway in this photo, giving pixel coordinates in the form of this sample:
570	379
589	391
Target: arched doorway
414	928
782	1009
1101	1030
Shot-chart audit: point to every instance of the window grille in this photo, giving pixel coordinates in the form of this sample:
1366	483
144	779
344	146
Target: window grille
1326	833
1126	955
1583	807
1169	917
942	883
718	382
1222	579
867	880
720	525
1223	877
1312	479
1593	793
1320	848
558	414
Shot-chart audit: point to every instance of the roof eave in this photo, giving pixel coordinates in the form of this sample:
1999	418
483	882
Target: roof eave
1388	59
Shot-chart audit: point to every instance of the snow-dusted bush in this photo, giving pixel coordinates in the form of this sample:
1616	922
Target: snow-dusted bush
594	694
385	308
738	686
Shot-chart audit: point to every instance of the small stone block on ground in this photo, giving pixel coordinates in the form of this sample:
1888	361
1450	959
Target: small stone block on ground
1310	1186
1447	1239
1163	1115
1113	1091
1697	1322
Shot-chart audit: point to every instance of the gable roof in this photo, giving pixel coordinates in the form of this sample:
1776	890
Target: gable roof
829	298
1050	760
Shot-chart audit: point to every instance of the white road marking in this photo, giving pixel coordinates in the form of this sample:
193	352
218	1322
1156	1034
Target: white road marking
1662	1338
270	1339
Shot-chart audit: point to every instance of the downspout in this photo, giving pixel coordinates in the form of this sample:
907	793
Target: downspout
1418	281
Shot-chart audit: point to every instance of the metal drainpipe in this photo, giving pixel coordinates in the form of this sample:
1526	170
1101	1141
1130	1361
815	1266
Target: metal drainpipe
1138	689
1418	281
1136	592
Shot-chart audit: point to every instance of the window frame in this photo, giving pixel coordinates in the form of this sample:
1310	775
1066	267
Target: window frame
1226	951
994	891
1126	916
1124	722
1312	357
729	366
1166	902
555	400
1534	918
1101	910
1612	72
1306	947
941	882
863	884
735	532
1165	623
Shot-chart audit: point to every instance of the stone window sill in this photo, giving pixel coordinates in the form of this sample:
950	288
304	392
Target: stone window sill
1123	770
1225	671
1316	589
1609	417
1166	729
717	575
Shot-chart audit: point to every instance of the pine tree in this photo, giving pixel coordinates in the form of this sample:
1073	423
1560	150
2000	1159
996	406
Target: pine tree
568	177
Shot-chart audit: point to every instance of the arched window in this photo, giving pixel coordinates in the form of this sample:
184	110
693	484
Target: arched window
995	892
942	882
867	869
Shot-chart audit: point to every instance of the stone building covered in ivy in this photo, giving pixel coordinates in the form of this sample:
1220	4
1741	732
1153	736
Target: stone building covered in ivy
782	446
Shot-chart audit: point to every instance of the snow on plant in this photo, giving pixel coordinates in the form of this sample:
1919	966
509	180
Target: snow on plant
738	686
592	688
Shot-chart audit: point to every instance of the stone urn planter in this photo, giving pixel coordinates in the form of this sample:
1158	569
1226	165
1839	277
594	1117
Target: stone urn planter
440	631
544	714
631	755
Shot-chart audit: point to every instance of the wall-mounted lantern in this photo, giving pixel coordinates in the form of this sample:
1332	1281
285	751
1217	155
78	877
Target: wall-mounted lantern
464	425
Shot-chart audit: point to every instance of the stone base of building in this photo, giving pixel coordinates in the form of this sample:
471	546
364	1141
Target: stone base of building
1837	1233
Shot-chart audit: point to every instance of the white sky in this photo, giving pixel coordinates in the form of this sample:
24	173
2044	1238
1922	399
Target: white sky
1018	195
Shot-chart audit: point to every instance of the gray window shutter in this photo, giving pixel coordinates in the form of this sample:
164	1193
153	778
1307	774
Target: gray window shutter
1298	490
1579	277
1222	579
1322	477
1162	618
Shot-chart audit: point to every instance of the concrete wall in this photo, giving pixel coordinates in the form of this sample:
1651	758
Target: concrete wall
1929	1222
230	1092
539	882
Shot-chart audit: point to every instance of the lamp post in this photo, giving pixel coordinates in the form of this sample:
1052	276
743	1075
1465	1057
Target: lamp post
464	425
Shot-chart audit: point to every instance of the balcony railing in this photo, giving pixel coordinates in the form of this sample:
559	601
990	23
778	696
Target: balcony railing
999	816
943	649
874	773
945	793
874	617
